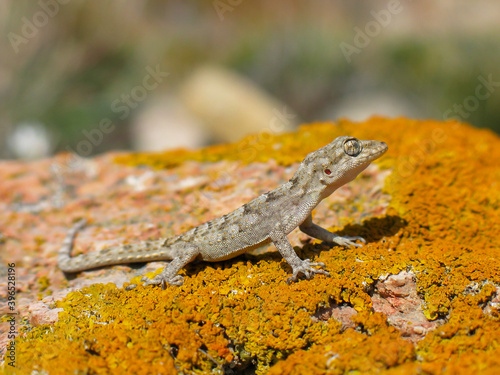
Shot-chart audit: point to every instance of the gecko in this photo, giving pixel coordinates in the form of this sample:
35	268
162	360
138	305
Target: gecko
267	218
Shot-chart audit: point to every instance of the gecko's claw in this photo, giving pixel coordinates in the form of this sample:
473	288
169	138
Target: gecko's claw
348	240
177	280
306	267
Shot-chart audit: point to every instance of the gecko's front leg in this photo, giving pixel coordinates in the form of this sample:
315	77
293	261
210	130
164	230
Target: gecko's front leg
313	230
298	265
169	275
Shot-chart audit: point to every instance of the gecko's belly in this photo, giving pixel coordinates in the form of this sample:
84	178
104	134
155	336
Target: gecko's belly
222	251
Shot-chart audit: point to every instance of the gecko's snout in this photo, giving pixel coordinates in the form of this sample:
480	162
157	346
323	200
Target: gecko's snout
383	146
376	149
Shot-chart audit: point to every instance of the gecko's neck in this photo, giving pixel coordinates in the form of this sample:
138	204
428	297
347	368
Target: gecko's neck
309	190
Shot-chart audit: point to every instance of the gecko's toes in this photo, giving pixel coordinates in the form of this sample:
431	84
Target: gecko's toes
147	281
348	241
177	281
159	279
357	238
306	267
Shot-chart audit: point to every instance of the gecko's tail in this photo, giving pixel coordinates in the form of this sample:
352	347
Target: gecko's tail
146	251
64	259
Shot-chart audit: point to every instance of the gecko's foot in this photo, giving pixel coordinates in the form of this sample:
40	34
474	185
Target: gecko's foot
177	280
348	240
306	267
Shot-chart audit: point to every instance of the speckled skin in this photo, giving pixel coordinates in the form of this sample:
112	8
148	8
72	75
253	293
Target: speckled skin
268	218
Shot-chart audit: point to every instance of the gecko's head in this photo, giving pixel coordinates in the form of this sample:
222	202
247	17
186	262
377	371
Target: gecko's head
339	161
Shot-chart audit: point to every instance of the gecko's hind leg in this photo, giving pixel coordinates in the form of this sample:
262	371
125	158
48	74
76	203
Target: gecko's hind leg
169	274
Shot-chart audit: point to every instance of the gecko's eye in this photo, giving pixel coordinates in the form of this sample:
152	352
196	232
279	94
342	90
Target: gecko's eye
352	147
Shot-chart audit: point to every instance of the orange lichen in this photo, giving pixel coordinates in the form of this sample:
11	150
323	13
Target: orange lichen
442	223
370	348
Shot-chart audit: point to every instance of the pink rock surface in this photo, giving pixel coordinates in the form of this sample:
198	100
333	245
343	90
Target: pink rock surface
396	296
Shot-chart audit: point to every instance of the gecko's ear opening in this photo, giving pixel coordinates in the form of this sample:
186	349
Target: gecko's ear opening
325	179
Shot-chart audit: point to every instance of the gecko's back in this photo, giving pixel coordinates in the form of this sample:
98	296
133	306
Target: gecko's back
243	229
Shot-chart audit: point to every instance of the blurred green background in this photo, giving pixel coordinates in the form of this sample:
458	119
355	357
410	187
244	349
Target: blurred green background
154	74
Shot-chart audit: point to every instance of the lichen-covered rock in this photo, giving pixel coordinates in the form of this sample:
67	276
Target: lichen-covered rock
421	297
